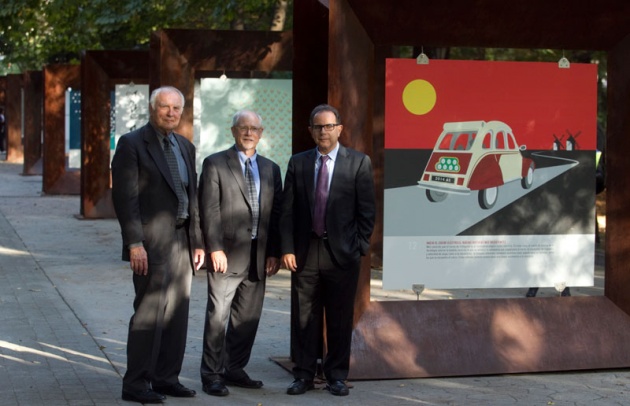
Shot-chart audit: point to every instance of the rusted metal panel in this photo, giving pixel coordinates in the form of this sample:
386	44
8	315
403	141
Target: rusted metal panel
100	71
617	261
33	92
415	339
558	24
58	179
409	339
310	68
13	115
179	56
3	90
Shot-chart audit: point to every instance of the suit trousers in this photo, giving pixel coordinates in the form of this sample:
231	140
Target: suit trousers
159	325
233	312
324	289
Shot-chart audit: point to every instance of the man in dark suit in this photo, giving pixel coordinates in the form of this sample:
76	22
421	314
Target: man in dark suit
239	199
154	190
327	219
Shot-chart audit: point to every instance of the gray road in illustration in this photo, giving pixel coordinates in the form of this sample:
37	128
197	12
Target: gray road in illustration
408	212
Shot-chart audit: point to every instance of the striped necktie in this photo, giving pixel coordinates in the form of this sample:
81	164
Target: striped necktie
171	160
253	196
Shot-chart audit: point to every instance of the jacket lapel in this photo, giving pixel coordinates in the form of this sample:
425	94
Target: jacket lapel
155	150
341	166
266	179
186	156
234	164
309	177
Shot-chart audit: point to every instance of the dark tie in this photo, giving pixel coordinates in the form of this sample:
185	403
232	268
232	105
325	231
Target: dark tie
321	195
177	180
253	196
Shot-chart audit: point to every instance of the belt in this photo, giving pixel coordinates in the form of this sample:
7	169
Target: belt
317	237
181	223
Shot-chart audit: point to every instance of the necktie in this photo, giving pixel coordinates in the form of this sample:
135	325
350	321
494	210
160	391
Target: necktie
321	195
253	196
171	160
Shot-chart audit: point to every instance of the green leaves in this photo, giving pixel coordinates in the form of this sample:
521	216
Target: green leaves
37	32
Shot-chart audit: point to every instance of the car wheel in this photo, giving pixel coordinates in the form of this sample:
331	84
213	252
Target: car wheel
488	197
435	196
528	179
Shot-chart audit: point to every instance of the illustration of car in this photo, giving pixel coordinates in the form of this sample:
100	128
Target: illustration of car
475	156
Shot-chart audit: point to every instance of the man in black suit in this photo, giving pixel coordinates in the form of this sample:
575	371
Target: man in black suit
327	219
239	200
154	190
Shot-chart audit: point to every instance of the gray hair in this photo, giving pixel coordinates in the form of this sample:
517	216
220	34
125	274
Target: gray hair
165	89
237	116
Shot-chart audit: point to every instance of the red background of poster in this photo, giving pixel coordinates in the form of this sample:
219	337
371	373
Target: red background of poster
537	100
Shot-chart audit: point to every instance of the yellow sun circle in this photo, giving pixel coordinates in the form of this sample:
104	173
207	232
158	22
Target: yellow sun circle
419	97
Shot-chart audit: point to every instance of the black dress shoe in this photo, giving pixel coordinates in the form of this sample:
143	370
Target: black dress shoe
215	388
300	386
337	387
244	381
143	396
177	390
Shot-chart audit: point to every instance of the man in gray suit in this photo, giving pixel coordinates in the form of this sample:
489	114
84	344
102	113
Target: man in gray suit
154	191
328	211
239	200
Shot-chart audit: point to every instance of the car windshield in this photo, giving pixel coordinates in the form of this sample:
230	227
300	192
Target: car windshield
457	141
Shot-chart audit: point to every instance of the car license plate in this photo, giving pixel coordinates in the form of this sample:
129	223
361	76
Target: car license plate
442	179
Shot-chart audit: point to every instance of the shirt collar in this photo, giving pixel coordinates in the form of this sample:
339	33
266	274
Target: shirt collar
332	154
162	136
242	157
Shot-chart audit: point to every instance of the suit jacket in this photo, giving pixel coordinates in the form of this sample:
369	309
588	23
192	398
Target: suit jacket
225	210
144	196
350	208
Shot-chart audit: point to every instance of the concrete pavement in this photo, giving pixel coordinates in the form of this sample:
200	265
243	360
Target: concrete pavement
66	298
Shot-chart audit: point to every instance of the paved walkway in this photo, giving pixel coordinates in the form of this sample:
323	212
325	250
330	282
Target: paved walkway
65	301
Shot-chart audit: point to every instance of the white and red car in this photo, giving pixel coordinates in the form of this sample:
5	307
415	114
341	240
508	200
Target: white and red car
475	156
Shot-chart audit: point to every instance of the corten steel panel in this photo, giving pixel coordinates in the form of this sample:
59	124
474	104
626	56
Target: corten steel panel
556	24
356	107
13	115
100	71
3	89
561	24
617	276
33	91
58	179
378	154
177	54
310	68
489	336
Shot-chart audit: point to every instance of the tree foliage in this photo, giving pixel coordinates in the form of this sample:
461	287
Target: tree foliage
37	32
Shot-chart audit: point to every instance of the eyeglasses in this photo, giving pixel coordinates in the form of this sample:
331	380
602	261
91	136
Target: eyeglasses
320	127
244	129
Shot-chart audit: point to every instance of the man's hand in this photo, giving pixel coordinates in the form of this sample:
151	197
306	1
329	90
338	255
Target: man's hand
272	265
138	260
219	261
289	262
199	256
